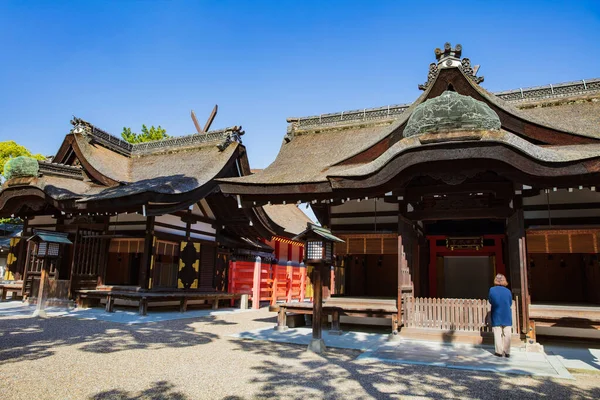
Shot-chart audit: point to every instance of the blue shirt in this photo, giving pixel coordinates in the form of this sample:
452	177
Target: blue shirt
501	300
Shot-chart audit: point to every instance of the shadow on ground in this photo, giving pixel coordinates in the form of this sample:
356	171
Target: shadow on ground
323	377
159	390
31	339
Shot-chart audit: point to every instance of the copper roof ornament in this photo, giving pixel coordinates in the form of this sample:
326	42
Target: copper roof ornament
450	58
451	111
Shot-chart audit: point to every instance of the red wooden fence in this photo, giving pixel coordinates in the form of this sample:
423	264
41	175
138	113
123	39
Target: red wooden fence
267	282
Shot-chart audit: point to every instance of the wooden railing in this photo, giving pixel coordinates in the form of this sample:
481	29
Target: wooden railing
267	282
466	315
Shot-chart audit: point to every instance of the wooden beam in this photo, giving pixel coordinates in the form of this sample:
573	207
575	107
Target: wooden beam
493	212
393	213
501	189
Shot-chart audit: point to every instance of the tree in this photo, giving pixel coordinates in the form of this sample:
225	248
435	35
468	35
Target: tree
147	135
11	149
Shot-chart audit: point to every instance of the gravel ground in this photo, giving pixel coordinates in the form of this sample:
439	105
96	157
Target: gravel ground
66	358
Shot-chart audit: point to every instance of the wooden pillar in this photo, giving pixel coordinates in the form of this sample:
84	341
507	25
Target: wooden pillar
432	269
274	282
517	262
19	272
290	278
302	281
405	285
317	345
500	267
42	297
26	266
331	281
256	284
231	279
145	267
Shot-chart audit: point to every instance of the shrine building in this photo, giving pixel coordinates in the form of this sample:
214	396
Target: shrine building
435	197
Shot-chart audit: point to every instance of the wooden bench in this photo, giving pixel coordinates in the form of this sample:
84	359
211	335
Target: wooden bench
16	288
337	307
146	297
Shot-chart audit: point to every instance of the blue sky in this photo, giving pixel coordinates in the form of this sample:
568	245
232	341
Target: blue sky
125	63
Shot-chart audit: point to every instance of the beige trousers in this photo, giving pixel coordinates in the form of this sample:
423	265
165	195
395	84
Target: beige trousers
502	339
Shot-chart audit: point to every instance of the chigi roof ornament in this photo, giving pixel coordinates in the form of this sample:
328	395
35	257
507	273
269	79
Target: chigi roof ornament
450	58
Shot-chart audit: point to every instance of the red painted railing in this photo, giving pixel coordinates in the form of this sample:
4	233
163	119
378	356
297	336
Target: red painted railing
267	282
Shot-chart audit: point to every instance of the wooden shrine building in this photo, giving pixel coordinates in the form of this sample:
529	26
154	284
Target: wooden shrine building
143	218
436	197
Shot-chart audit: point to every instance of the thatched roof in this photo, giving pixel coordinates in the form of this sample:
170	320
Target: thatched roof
105	167
288	216
318	150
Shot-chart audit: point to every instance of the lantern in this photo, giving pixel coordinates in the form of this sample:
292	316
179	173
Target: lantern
319	253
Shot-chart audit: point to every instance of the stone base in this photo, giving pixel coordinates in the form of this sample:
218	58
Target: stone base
40	314
317	346
281	328
394	337
534	348
244	302
338	332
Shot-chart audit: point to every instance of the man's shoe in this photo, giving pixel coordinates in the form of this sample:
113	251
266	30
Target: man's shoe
498	355
507	355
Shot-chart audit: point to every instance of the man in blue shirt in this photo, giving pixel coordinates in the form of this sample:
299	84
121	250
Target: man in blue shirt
501	299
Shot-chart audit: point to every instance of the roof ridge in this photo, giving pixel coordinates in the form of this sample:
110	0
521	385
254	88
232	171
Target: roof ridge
393	111
225	135
69	171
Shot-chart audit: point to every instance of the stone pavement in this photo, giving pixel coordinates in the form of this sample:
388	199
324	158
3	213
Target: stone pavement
130	316
468	357
376	347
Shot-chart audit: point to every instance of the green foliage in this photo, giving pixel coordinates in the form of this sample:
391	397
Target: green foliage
12	221
147	135
10	149
21	166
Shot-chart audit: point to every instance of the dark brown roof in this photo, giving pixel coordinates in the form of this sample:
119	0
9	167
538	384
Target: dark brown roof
288	216
111	168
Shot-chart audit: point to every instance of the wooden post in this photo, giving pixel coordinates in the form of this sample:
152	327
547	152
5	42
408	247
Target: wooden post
331	281
143	305
145	273
40	309
302	281
290	279
281	320
317	345
274	282
26	267
256	283
183	303
73	261
517	259
110	303
231	279
335	323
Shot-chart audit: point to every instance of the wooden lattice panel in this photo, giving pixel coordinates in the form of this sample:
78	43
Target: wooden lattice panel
536	244
582	243
373	246
390	245
356	245
559	243
585	241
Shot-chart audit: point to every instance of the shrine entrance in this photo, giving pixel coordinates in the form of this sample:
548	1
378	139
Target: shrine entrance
463	265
